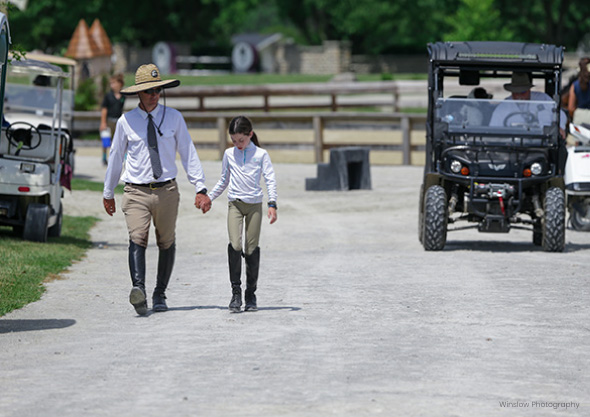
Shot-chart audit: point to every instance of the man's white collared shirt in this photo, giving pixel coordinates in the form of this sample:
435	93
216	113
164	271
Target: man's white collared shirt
130	147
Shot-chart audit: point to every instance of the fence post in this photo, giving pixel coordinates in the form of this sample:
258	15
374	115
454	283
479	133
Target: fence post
395	99
334	104
406	140
266	104
318	138
221	128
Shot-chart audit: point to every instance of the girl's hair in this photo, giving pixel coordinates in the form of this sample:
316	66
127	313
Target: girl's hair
584	75
243	125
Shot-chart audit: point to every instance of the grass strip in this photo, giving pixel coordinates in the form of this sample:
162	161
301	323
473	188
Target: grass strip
26	265
87	185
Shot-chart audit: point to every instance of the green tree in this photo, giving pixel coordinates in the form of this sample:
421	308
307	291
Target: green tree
477	20
373	26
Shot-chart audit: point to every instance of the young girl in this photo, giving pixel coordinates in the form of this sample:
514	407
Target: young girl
241	169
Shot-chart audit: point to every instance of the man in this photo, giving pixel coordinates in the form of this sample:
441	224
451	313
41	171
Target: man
147	139
511	113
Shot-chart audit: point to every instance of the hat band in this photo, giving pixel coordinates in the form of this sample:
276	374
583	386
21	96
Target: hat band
149	81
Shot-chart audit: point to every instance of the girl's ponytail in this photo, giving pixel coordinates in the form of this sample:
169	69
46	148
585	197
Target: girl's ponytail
254	139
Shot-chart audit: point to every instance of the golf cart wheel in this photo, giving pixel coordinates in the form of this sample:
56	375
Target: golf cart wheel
554	224
435	219
580	221
55	230
36	222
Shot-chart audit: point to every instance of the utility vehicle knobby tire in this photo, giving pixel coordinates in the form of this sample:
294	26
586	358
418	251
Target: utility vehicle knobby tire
435	218
554	224
36	222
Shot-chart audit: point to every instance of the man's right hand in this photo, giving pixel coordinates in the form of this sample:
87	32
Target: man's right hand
109	205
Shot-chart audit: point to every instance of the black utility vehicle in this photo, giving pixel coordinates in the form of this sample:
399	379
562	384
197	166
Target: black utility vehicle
490	161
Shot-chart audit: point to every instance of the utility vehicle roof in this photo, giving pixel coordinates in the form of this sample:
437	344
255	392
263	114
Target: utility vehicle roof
496	53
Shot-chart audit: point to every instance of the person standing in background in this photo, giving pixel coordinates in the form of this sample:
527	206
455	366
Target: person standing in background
110	111
579	95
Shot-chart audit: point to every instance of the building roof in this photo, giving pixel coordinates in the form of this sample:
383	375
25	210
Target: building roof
82	46
100	37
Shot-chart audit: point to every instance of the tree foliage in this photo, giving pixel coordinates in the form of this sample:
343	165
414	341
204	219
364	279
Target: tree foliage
372	26
485	23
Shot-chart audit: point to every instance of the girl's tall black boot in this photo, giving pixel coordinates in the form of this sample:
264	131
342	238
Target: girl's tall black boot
252	267
235	272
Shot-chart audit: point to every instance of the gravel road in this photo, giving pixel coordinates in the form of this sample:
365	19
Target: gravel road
355	318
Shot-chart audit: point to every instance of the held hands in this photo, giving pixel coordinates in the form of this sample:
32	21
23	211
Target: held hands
109	205
272	214
203	202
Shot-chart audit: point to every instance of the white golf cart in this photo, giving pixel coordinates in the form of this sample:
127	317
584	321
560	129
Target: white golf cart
35	149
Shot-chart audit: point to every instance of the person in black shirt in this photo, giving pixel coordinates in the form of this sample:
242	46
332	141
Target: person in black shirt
111	110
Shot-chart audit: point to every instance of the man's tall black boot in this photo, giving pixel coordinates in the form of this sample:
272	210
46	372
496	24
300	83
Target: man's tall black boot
235	272
165	265
137	269
252	267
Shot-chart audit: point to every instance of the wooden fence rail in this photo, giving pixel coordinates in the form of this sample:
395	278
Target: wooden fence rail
333	90
318	121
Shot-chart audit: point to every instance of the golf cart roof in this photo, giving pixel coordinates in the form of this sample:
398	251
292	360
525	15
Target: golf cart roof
496	53
28	66
52	59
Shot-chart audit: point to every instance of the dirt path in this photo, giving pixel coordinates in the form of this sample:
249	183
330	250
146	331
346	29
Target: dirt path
355	318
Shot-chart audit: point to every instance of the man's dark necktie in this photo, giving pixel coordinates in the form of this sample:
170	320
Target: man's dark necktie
153	147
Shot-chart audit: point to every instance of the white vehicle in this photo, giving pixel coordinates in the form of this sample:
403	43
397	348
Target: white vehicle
34	155
577	178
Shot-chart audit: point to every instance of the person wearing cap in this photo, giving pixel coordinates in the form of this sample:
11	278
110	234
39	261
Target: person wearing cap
146	140
508	112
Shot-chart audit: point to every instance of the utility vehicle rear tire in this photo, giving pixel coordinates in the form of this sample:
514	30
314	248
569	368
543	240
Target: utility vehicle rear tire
435	219
554	224
36	222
